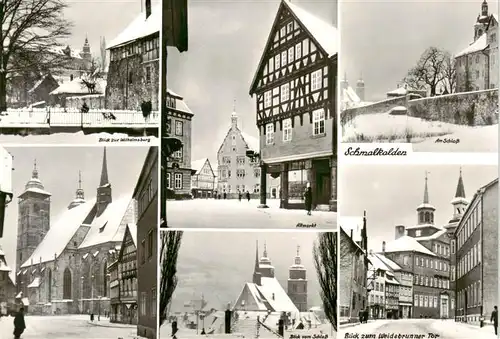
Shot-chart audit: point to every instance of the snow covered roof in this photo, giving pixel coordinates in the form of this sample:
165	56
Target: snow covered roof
60	233
4	267
38	83
407	244
480	44
416	227
433	236
108	226
35	283
352	223
76	86
197	165
60	50
391	280
132	228
324	33
37	190
180	104
139	28
252	142
377	264
425	205
388	262
398	91
350	95
276	296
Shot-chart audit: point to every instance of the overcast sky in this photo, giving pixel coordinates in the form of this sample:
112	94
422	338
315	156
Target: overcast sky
382	40
58	170
390	194
218	264
226	41
97	18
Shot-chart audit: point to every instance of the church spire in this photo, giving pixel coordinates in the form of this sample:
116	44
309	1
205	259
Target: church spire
234	116
460	193
34	174
265	250
256	272
484	8
104	170
80	195
298	260
426	190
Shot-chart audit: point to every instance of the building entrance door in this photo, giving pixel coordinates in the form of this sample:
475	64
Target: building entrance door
444	307
323	188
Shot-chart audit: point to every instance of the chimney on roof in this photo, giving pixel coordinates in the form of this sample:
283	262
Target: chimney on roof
148	8
383	247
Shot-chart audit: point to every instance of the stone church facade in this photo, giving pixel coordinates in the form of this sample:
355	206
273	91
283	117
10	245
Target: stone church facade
63	265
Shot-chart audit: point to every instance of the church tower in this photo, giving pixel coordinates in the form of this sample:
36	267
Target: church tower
482	21
360	88
86	54
256	272
33	217
104	197
425	211
459	203
344	84
297	283
80	195
265	267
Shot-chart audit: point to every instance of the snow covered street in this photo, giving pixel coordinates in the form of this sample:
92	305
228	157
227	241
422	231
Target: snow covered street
426	136
419	328
211	213
65	327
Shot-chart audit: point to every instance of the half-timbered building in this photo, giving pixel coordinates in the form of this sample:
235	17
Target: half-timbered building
295	91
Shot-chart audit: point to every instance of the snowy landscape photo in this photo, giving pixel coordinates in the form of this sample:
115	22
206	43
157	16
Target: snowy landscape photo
74	219
258	285
251	118
76	69
422	251
416	76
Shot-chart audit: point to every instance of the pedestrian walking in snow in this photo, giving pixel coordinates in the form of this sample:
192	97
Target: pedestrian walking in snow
19	325
248	196
239	195
225	195
174	329
308	200
494	319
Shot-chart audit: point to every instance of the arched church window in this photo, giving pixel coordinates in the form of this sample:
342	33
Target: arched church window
49	285
421	217
432	218
105	279
67	284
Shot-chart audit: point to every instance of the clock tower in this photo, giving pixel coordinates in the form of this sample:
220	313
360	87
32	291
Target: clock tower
297	283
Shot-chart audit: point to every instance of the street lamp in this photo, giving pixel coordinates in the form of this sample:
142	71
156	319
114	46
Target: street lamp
255	157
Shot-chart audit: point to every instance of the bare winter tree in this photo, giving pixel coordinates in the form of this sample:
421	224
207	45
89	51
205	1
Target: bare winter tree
30	30
325	261
169	251
429	71
449	73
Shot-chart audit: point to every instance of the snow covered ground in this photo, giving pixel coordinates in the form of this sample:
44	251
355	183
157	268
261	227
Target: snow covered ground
427	136
78	138
64	327
420	328
211	213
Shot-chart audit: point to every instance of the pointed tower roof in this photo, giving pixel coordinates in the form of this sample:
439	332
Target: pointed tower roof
460	193
34	185
425	204
298	261
80	194
256	269
265	259
104	172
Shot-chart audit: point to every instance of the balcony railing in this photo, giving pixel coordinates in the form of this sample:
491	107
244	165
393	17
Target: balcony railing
60	117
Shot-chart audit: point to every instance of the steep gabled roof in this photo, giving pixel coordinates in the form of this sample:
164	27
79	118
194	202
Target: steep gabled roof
480	44
198	165
139	28
180	104
323	34
251	143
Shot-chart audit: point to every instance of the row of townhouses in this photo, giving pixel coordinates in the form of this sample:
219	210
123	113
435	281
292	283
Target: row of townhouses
294	88
428	270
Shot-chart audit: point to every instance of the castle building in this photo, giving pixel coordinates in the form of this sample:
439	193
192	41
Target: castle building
179	118
203	179
476	241
63	265
297	283
353	268
477	64
134	68
295	95
238	173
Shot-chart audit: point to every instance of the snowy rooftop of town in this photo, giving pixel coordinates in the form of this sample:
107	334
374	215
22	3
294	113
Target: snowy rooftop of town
76	86
197	165
4	267
388	262
324	33
352	223
349	95
398	91
478	45
252	142
108	226
38	83
380	262
140	27
36	190
422	226
59	234
274	294
74	53
407	244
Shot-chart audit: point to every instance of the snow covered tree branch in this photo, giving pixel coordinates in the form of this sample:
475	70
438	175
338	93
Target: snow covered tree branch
169	251
31	31
325	261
